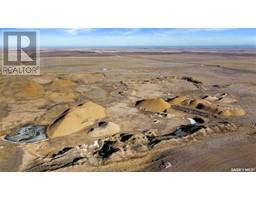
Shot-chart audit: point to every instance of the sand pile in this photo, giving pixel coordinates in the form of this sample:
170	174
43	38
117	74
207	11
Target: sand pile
200	104
220	98
178	100
59	97
231	112
227	100
208	106
104	129
153	105
31	89
60	84
87	78
76	119
43	79
20	87
211	98
61	91
194	103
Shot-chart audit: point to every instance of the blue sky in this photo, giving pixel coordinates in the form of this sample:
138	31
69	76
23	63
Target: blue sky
145	37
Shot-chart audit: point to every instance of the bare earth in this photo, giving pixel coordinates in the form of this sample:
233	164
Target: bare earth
131	110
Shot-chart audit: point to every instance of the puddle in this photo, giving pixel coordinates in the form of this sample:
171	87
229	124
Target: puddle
180	132
185	130
28	134
107	150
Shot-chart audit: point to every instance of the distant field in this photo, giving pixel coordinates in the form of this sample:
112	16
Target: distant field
131	110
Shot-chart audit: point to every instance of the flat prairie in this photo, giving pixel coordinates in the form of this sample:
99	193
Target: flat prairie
131	110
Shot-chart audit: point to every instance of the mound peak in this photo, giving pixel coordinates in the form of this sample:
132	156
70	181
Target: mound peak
153	105
76	119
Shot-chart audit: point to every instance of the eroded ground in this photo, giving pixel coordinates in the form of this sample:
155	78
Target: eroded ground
131	111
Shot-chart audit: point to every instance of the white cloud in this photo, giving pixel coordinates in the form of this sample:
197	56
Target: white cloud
207	29
75	31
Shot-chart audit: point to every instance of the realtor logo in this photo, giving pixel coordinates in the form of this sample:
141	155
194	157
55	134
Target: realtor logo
20	53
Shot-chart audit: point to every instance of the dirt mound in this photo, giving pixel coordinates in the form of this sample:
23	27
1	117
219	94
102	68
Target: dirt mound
20	87
177	100
200	104
208	106
193	103
220	98
87	78
104	129
227	100
43	79
61	84
232	112
61	91
153	105
61	97
211	98
75	119
31	89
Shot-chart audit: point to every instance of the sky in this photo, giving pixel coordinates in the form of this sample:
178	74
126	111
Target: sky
145	37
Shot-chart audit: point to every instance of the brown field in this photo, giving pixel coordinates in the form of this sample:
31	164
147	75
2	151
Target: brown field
134	120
